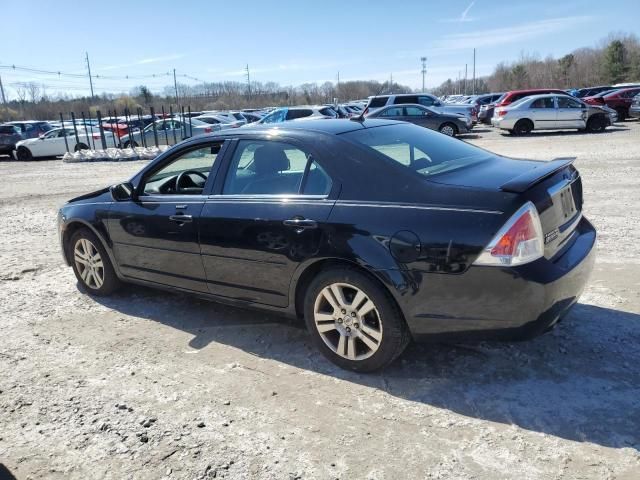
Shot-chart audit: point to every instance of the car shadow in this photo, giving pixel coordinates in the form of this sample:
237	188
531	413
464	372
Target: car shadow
580	382
562	133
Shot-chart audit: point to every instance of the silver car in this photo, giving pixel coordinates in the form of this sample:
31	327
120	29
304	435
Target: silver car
550	112
169	131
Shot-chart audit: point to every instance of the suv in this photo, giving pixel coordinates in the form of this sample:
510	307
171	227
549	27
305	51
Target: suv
634	109
9	136
296	113
424	99
31	129
510	97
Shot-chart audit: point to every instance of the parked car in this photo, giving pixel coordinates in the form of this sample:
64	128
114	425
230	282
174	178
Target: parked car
55	142
634	110
219	120
550	112
435	237
168	131
424	99
9	136
296	113
251	116
590	91
448	124
515	95
31	128
620	100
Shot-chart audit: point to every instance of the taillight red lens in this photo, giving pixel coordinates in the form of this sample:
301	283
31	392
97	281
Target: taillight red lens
521	231
519	241
207	129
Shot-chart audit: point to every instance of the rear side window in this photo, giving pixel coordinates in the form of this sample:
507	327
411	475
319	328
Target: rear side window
329	112
392	112
299	113
8	129
377	102
262	167
406	99
546	102
418	149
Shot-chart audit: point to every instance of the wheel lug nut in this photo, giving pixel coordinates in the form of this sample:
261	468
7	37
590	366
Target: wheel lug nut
339	320
353	314
343	311
356	325
348	330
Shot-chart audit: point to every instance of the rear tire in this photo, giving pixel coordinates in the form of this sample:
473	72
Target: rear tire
523	127
622	114
91	264
81	146
24	154
448	129
129	144
358	328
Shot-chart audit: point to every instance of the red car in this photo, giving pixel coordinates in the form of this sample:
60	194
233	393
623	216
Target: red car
119	129
620	100
513	95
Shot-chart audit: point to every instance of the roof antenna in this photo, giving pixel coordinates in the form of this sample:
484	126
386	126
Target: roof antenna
360	118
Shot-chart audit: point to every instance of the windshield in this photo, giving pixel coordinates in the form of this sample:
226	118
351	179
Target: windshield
421	150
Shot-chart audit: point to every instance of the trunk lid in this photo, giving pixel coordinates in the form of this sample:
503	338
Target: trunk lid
554	187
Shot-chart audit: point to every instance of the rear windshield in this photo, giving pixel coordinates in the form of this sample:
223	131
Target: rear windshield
8	129
423	151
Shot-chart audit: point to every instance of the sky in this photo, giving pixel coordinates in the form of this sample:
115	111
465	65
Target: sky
289	42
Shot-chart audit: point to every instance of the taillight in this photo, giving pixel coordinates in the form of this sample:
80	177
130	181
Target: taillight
501	113
96	136
207	129
519	241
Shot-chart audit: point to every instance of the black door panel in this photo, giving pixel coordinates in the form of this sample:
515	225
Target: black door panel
248	251
150	244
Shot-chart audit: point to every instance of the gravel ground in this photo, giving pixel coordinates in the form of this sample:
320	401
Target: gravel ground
154	385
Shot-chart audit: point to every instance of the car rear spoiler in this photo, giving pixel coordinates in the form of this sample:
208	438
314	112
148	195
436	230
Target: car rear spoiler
523	182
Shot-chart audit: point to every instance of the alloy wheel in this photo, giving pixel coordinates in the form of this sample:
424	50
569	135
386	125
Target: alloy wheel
348	321
89	263
448	130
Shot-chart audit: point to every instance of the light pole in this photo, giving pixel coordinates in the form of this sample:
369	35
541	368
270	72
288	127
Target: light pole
424	69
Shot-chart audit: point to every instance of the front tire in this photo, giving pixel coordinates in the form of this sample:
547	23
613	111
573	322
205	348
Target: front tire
596	124
91	264
130	144
81	146
622	114
448	129
24	154
354	321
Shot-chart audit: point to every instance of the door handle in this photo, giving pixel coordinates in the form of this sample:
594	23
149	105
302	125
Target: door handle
300	223
181	218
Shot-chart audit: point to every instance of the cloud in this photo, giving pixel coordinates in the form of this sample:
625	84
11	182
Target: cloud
144	61
463	16
504	35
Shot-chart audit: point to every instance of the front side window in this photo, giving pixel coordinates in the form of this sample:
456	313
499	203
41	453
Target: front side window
276	117
415	112
262	167
418	149
186	174
299	113
568	102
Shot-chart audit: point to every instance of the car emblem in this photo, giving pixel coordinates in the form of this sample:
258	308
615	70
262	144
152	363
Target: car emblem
551	236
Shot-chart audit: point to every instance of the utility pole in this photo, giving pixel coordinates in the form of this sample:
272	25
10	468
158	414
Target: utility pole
465	79
4	100
89	70
424	69
391	83
175	85
474	71
248	81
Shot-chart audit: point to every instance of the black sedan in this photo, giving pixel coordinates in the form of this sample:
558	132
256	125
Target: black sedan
448	123
375	232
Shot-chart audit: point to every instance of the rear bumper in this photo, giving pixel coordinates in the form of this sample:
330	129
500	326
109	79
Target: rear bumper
511	303
7	149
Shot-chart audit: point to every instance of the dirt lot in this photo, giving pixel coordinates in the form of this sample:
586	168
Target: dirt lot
154	385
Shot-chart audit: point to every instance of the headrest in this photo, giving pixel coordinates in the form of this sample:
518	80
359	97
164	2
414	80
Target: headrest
270	159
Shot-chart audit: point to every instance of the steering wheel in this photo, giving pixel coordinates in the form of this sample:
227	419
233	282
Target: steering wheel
185	174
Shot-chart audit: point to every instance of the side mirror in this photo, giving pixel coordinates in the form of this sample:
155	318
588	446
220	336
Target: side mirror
122	192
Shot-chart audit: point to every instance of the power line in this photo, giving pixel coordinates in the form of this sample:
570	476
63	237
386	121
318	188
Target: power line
58	73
